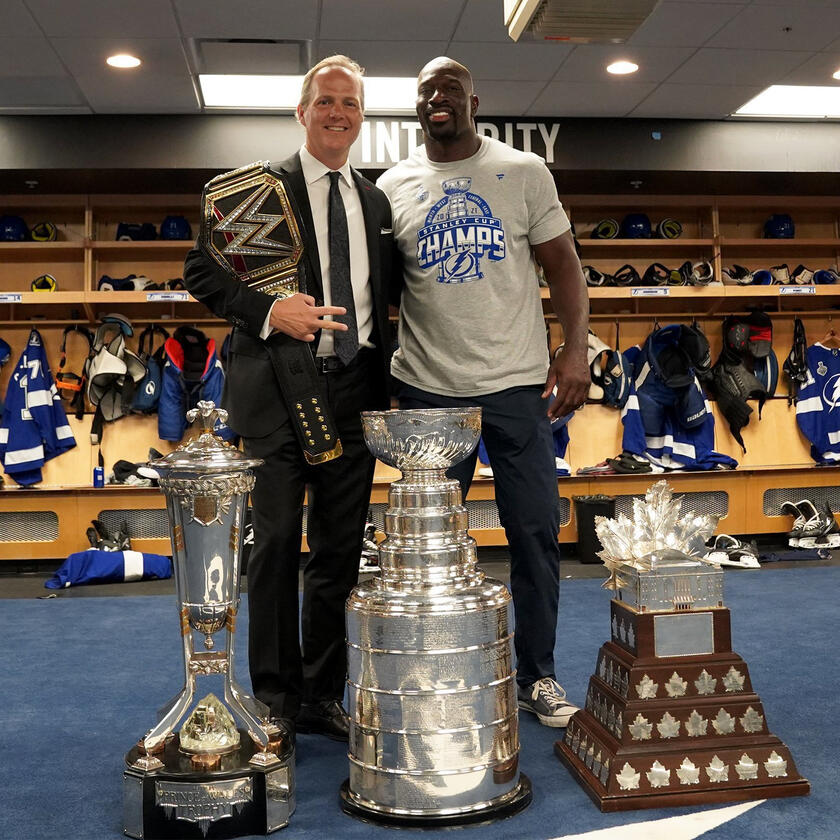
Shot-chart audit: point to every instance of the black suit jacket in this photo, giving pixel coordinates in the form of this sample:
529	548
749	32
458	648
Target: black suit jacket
252	394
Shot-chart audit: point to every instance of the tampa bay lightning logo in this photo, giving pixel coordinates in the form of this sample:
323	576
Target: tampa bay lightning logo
831	392
459	231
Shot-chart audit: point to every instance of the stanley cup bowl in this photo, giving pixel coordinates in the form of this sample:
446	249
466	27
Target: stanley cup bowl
422	439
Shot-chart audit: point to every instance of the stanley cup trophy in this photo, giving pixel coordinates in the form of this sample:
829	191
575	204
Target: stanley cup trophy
434	734
212	778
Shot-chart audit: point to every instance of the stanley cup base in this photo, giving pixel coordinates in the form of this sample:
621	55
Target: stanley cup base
519	799
177	802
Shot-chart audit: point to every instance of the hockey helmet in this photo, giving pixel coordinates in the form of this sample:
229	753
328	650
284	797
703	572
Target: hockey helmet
13	229
175	227
779	226
635	226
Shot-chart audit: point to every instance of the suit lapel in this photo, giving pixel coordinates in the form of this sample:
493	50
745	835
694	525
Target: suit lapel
297	183
371	217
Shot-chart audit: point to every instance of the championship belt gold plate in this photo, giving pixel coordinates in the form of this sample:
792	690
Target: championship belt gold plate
250	227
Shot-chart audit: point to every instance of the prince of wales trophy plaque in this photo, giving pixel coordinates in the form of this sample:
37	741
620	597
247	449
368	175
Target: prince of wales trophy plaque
671	717
434	736
229	771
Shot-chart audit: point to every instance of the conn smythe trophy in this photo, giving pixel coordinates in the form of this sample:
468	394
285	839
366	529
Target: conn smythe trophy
671	716
229	771
251	229
434	736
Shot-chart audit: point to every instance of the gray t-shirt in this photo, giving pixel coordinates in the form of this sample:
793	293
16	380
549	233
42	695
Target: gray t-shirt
471	318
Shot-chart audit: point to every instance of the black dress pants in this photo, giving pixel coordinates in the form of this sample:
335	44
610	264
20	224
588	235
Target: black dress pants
287	666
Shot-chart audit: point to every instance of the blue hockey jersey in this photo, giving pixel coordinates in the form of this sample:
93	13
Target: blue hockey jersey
34	427
672	426
818	403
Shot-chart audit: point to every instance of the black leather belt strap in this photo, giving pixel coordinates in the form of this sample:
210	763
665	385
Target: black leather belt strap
296	372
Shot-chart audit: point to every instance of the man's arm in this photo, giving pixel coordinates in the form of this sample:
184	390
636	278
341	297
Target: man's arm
569	370
233	300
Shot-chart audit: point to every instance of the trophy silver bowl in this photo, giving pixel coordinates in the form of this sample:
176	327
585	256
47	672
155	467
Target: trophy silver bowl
434	736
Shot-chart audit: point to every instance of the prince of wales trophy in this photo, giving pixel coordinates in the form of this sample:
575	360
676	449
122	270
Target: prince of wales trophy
229	771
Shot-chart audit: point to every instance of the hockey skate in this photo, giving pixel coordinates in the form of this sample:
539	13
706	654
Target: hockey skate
729	551
820	530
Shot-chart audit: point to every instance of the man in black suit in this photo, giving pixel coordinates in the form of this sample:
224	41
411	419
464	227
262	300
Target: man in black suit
302	681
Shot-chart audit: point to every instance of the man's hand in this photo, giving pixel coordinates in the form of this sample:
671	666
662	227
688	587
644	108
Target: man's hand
570	373
298	317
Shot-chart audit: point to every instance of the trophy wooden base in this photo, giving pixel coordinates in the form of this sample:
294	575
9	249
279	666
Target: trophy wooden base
671	719
178	802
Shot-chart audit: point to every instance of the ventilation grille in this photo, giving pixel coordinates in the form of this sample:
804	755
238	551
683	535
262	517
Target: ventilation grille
28	526
580	21
772	501
714	503
143	524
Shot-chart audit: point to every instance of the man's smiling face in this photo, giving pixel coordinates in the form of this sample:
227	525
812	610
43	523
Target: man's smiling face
333	116
445	101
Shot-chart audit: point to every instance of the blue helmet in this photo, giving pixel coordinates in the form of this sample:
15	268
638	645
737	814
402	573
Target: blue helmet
635	226
175	227
779	226
13	229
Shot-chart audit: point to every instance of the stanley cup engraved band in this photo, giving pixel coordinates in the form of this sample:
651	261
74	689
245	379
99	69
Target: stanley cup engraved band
251	228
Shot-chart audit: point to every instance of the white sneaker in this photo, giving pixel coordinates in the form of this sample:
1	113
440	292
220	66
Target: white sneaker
547	700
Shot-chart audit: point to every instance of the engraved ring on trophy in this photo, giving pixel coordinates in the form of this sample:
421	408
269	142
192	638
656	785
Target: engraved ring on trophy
236	779
434	736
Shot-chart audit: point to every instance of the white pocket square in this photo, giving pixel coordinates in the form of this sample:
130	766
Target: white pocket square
385	231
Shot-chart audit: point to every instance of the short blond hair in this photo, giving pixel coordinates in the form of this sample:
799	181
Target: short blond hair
332	61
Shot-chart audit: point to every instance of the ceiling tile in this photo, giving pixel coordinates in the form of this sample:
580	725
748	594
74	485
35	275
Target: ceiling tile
386	58
589	99
18	21
737	67
523	62
28	57
810	27
430	20
87	55
236	57
483	20
104	18
39	91
588	62
702	102
508	99
817	70
141	94
682	25
276	19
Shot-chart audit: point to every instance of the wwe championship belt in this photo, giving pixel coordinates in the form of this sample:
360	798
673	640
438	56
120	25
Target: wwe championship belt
250	227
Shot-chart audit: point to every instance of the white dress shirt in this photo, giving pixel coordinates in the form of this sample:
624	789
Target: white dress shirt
316	175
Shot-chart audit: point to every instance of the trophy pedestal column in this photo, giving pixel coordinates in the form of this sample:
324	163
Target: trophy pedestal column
178	802
671	718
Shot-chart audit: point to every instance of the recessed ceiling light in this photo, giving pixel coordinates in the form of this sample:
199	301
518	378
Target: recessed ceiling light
123	60
622	68
794	102
835	74
382	94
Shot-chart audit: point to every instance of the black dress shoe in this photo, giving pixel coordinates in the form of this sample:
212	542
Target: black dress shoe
326	717
284	736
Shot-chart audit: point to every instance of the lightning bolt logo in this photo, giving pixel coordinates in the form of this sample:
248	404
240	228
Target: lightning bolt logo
250	229
832	386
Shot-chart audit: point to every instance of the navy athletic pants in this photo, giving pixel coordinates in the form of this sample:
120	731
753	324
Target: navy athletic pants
517	434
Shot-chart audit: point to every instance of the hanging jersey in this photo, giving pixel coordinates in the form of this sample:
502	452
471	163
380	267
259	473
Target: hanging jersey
818	404
673	427
34	426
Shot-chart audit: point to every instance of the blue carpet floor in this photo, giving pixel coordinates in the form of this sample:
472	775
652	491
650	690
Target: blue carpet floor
82	678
